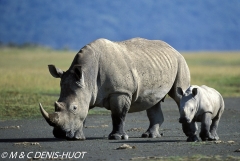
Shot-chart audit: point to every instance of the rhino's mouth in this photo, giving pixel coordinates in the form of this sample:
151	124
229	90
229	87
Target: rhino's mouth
184	120
70	134
75	135
66	134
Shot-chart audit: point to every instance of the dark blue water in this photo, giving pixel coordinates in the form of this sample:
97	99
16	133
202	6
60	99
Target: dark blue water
185	24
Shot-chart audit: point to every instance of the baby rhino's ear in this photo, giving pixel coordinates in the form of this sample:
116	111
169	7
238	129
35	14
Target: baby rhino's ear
179	91
194	92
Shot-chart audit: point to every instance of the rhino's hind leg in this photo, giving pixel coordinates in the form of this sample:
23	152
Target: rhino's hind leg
205	127
214	126
215	122
156	119
213	129
119	105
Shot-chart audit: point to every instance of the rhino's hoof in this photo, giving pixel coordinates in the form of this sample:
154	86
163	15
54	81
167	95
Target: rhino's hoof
145	135
213	137
216	138
76	139
193	138
114	137
125	137
117	137
209	137
151	135
80	138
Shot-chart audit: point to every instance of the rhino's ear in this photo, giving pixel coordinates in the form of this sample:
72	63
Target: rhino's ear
55	72
179	91
79	74
78	71
194	92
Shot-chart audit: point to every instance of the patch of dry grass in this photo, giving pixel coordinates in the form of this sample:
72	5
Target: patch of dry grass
25	80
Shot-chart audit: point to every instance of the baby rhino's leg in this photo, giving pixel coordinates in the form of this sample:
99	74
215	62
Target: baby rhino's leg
214	126
205	134
190	131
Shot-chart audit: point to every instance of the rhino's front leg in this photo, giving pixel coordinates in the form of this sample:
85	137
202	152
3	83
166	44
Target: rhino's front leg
119	106
205	127
190	130
156	119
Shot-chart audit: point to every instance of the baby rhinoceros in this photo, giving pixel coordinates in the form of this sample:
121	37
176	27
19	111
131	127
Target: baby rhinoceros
201	104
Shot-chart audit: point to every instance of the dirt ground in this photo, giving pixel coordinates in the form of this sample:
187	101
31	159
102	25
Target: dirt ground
33	139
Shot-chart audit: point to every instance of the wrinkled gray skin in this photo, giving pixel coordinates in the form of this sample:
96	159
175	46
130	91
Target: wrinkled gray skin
201	104
127	76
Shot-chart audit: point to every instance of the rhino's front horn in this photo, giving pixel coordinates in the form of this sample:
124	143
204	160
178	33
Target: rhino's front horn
52	119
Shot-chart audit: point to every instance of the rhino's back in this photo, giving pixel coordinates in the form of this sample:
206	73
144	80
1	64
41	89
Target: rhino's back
145	56
144	69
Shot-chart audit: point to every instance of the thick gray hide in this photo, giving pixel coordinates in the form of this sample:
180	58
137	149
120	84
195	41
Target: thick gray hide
201	104
127	76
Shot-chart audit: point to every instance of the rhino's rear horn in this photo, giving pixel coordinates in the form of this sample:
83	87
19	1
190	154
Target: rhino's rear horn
58	106
50	118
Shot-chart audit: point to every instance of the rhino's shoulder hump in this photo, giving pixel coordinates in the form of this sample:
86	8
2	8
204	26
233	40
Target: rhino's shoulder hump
139	40
103	40
100	41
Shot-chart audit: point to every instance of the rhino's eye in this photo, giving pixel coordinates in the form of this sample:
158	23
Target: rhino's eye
74	108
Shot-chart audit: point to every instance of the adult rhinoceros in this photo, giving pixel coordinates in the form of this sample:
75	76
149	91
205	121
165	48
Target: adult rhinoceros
127	76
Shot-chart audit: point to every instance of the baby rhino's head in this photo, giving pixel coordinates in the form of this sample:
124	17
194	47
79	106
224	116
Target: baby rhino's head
188	104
